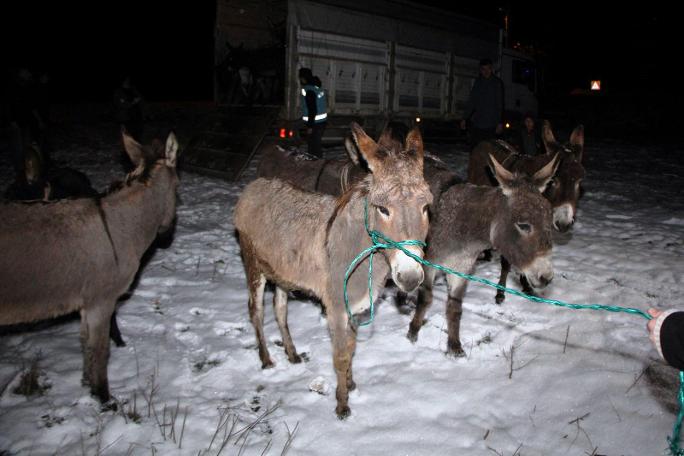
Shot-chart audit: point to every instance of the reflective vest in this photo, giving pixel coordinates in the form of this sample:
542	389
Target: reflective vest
321	104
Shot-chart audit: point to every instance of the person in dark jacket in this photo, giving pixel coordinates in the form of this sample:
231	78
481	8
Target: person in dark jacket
25	117
666	331
128	110
314	110
484	108
528	140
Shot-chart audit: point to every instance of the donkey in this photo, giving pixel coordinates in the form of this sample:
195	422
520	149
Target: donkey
305	241
563	192
332	177
513	218
82	254
336	176
251	75
41	181
45	181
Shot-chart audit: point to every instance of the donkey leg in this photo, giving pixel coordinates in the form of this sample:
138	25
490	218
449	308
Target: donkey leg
454	309
95	340
351	348
403	301
526	287
422	304
256	282
505	269
280	306
115	333
256	315
342	335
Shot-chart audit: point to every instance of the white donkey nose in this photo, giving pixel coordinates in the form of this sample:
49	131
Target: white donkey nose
540	272
563	217
407	273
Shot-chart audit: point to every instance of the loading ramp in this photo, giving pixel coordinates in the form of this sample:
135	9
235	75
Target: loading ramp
228	139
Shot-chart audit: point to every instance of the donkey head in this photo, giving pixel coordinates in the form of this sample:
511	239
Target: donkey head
151	161
398	198
522	229
564	190
34	168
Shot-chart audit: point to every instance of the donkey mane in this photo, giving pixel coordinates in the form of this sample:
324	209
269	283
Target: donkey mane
141	174
360	187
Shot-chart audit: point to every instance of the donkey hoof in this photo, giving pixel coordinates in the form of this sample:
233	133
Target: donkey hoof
112	405
342	412
119	342
102	394
500	297
267	364
295	359
455	351
412	336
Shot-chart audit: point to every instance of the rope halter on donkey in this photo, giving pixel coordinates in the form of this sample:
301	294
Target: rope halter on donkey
380	241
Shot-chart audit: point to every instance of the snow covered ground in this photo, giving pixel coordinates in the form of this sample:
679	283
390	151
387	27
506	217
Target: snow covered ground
537	380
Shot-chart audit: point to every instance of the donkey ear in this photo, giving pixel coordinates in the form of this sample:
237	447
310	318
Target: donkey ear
367	147
577	139
414	142
133	149
171	151
547	136
542	177
352	151
503	176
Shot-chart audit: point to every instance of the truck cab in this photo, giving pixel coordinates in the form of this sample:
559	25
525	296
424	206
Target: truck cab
519	74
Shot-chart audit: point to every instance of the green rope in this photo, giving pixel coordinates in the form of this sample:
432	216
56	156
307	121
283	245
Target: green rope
387	243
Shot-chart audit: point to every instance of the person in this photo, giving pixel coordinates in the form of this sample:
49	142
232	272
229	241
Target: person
25	117
128	108
484	108
666	331
528	140
314	111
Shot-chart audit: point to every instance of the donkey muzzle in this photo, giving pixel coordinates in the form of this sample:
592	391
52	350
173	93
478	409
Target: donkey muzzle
563	217
540	272
407	273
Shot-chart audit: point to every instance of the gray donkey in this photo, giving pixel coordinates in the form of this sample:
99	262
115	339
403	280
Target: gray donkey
563	192
82	254
335	176
513	218
301	240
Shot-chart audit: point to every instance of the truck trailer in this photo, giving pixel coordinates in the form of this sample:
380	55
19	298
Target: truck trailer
376	60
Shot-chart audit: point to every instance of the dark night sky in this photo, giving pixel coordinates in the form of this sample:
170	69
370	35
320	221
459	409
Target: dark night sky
627	46
88	48
169	48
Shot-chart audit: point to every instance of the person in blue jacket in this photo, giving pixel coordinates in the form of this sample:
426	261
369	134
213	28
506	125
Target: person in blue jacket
314	110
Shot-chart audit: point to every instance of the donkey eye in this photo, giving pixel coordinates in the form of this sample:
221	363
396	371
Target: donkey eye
524	228
383	210
425	209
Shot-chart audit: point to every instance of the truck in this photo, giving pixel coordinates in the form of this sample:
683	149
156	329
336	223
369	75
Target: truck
376	60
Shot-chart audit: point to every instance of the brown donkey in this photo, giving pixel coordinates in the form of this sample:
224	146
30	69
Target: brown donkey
513	218
305	241
563	192
81	255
